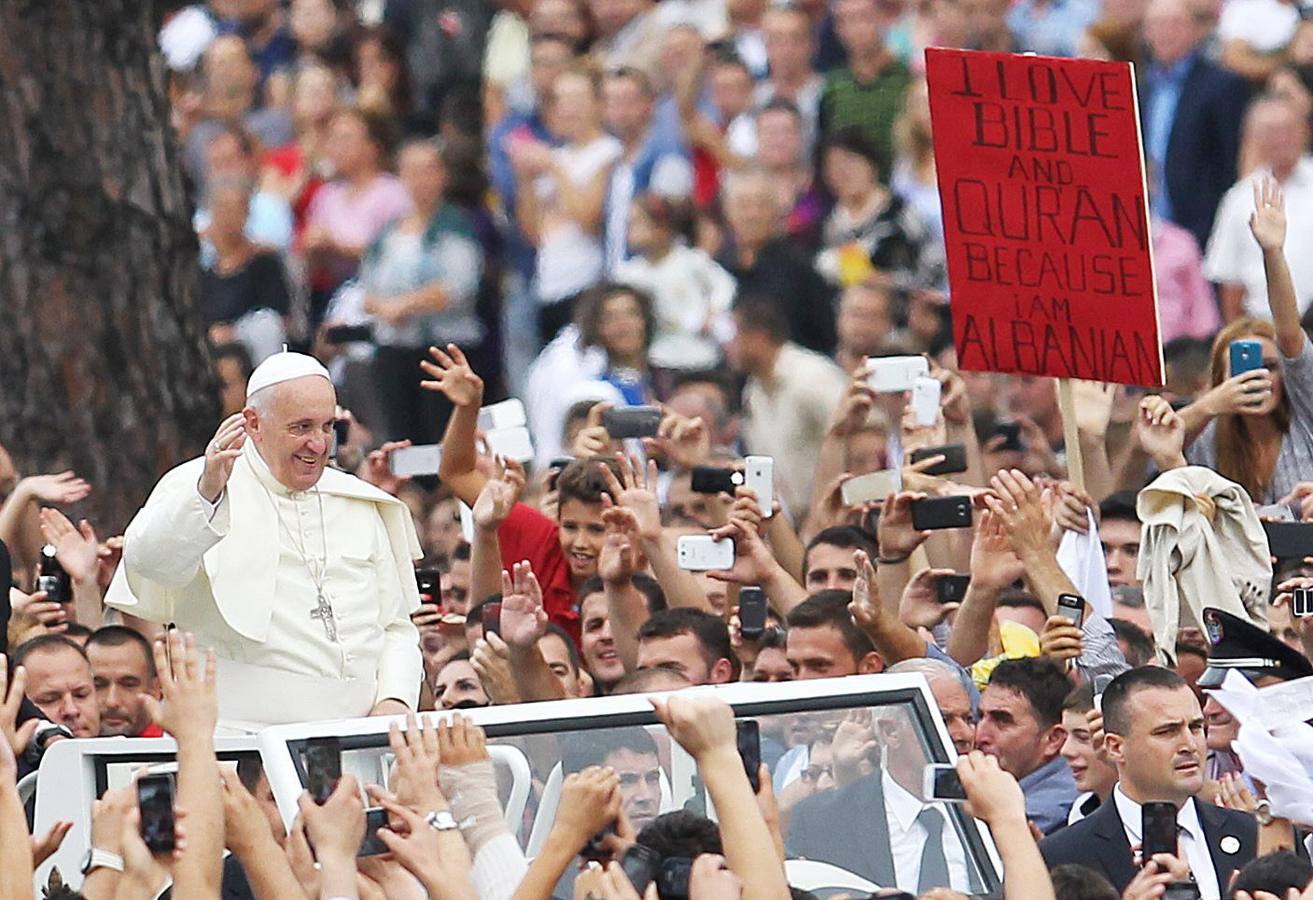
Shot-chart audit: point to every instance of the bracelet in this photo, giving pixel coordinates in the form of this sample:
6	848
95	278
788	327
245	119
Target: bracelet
892	560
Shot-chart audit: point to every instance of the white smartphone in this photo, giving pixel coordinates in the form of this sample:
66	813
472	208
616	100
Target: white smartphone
894	374
467	523
422	459
925	401
759	474
512	443
941	783
500	416
703	553
871	486
1276	512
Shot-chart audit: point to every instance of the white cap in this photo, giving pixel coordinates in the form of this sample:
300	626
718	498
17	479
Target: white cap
281	367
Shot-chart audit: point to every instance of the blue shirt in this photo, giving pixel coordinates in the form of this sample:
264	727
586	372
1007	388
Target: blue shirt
1164	94
1050	791
1050	28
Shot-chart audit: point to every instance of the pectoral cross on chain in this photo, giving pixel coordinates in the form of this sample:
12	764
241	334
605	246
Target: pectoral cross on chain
323	611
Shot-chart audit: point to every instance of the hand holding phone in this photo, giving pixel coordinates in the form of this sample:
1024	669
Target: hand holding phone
935	513
703	553
632	421
752	613
155	803
1158	830
749	742
942	783
323	767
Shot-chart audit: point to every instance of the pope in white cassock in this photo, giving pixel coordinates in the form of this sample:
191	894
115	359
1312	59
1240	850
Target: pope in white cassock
300	576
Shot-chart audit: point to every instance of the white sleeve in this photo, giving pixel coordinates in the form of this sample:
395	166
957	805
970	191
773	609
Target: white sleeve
165	542
400	666
1224	261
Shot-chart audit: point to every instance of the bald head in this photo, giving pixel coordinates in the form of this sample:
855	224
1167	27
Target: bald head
1171	31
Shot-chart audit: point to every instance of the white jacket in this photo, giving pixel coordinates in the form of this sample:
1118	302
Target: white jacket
1190	559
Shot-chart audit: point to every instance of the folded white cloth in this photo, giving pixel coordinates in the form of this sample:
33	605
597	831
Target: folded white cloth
1081	557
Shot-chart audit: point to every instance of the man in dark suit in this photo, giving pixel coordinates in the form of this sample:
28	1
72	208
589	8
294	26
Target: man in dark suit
1154	735
1192	112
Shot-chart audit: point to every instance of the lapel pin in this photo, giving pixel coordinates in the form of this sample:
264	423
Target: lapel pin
1230	844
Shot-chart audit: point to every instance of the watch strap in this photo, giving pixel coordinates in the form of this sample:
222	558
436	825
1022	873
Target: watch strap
96	858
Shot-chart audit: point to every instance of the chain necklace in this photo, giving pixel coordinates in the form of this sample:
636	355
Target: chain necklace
323	610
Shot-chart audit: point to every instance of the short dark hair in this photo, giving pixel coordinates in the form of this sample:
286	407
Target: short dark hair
571	649
1119	507
853	139
76	630
849	537
45	643
591	748
1139	646
1275	873
681	834
1080	699
582	480
1117	695
641	681
708	630
1072	881
758	312
651	590
118	636
461	552
1011	598
829	609
1040	680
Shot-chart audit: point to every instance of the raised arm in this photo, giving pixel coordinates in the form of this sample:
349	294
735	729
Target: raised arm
1268	223
450	374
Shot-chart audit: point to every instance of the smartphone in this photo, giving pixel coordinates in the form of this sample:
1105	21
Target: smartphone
715	480
1011	433
1301	603
759	474
632	421
1289	540
421	459
1072	607
749	741
323	767
512	443
935	513
1246	356
341	427
466	522
1277	512
491	618
925	401
429	583
752	613
941	783
1157	829
155	800
871	486
954	459
640	864
703	553
500	416
1101	683
951	588
375	818
894	374
349	334
1181	890
672	877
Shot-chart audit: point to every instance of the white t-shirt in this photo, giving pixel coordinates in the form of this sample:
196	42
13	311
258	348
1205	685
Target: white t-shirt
1265	25
570	259
1234	256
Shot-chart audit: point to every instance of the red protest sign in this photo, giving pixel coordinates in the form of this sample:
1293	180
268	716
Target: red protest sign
1041	178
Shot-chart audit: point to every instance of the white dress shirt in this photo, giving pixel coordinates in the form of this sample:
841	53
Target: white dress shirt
1194	846
907	838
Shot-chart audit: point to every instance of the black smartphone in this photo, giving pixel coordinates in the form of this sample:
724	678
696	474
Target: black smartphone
1011	433
752	613
935	513
375	818
429	583
951	588
954	459
1158	830
1301	603
672	877
341	428
1289	540
714	480
1072	608
155	800
323	767
640	864
1181	890
349	334
491	618
749	740
632	421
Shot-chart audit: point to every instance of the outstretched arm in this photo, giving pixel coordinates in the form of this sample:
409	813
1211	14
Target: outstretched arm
1268	223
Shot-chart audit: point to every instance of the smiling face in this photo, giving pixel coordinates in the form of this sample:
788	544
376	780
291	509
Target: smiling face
596	643
1161	756
291	425
582	534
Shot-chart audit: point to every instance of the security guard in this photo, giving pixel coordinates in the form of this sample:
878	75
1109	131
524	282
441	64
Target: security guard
1259	656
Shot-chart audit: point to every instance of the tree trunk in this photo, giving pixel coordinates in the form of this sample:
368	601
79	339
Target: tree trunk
103	365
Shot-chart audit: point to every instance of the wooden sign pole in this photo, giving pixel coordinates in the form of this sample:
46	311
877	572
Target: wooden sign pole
1071	434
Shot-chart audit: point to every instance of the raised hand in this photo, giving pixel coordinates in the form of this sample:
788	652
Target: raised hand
1093	401
994	565
461	742
592	439
1161	432
865	605
189	706
499	494
1268	221
590	800
684	442
76	549
491	661
61	489
699	724
378	468
753	560
1019	505
620	558
896	535
11	698
1061	640
711	879
855	407
417	757
1245	394
53	616
523	619
919	607
221	454
635	490
993	796
450	374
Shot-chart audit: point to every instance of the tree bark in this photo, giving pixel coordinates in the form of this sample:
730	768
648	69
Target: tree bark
103	364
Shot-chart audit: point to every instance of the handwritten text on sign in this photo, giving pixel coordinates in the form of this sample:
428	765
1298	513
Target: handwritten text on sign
1042	184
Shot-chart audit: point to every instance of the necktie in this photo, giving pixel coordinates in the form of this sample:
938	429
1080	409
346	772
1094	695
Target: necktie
934	865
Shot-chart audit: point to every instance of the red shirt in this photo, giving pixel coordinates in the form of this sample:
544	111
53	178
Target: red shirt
151	730
528	534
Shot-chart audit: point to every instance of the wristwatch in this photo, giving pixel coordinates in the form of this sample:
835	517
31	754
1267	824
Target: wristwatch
441	820
100	859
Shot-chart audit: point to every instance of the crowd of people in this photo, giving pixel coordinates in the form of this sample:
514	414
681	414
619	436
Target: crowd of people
720	216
